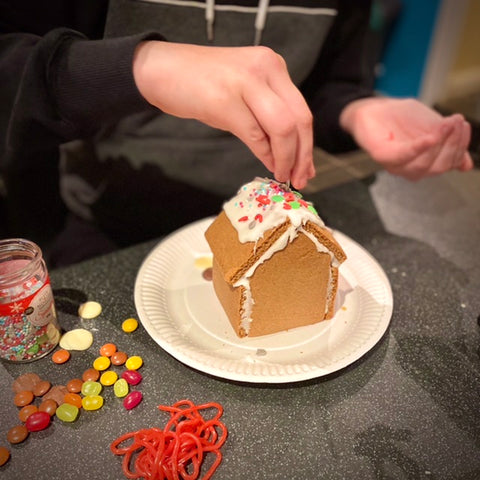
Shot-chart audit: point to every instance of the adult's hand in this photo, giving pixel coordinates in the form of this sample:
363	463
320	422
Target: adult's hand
244	90
408	138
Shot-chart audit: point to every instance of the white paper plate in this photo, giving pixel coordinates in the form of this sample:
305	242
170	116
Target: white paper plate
180	311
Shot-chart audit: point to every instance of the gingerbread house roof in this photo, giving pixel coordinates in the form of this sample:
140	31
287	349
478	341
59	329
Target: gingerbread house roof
260	220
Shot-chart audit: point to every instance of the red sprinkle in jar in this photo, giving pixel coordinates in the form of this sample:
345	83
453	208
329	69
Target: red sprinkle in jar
28	320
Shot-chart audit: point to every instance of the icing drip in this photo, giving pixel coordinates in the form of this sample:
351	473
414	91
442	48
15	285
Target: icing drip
264	204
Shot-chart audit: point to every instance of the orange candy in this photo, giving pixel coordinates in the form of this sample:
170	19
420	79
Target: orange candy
73	399
23	398
26	411
108	349
61	356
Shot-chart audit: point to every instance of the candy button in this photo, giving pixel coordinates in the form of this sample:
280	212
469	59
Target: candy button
23	398
92	402
67	412
101	363
89	310
26	411
91	375
120	388
91	388
129	325
134	362
75	385
4	455
76	339
60	356
38	421
73	399
41	388
108	378
17	434
132	399
49	406
108	349
132	377
25	382
119	358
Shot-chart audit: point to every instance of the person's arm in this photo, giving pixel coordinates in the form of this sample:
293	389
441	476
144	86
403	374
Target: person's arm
343	73
62	86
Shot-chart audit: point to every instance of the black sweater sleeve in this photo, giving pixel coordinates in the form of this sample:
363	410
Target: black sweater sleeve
61	86
343	73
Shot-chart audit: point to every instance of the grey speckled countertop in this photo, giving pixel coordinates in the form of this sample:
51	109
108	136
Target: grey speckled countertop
408	409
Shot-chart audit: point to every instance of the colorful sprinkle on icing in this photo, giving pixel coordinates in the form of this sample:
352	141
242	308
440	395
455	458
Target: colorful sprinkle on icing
263	204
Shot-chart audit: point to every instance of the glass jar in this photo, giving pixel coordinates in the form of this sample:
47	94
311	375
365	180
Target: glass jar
28	321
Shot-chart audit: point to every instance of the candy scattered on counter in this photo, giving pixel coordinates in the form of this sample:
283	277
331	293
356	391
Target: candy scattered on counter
92	402
17	434
4	455
129	325
38	421
108	349
121	388
89	310
134	362
101	363
132	377
67	412
132	399
76	339
118	358
65	402
108	378
61	356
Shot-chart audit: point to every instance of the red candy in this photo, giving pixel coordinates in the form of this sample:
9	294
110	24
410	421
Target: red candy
132	399
133	377
37	421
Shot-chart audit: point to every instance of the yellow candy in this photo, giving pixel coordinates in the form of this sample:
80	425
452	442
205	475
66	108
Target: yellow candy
108	378
92	402
129	325
101	363
134	362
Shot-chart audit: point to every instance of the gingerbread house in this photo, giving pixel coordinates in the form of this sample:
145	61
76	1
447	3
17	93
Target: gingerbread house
275	264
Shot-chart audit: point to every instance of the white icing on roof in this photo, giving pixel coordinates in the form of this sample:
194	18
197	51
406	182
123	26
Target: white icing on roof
264	204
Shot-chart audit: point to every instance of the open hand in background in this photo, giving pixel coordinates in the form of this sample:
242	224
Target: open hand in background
407	137
244	90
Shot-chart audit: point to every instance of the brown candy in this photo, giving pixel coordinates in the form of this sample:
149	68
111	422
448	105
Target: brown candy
57	393
75	385
17	434
90	375
49	405
41	388
118	358
25	382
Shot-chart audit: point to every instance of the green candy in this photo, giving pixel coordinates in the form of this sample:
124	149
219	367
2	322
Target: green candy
67	413
91	388
120	388
277	198
295	205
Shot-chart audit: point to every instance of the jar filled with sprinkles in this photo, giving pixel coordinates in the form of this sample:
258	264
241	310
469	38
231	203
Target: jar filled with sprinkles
28	322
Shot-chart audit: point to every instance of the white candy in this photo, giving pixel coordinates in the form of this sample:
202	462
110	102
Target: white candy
89	310
77	339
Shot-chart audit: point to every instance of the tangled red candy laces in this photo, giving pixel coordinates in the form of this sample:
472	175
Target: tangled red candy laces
178	451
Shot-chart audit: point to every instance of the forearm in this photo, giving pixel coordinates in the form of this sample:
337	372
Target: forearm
63	86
